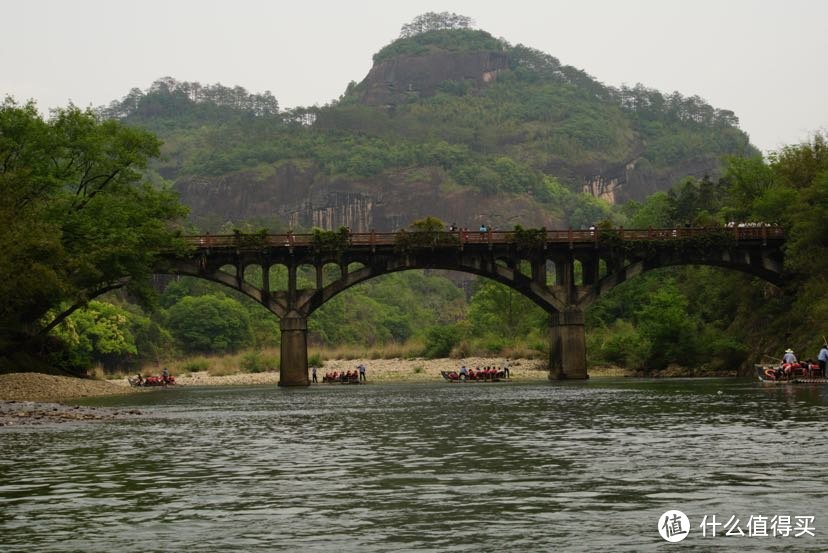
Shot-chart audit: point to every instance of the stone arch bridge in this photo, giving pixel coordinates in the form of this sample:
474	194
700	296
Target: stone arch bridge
562	271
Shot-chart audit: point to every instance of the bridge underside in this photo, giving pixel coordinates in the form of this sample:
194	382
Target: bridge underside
563	279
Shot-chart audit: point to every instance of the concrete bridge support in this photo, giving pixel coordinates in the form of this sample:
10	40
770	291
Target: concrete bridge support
293	370
567	346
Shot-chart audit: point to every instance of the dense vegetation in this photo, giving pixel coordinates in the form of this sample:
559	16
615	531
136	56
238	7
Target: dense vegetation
540	121
89	208
711	317
700	317
79	220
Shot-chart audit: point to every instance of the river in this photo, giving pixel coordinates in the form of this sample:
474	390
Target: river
587	466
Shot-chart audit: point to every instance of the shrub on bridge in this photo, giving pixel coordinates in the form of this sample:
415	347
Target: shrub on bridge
530	240
714	240
329	241
250	239
425	233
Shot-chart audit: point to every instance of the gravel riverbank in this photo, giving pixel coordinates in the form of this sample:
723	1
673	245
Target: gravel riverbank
34	398
49	388
377	371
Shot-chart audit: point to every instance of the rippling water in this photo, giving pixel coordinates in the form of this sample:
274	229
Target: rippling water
469	467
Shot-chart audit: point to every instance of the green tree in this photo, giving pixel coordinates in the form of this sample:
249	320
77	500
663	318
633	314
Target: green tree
79	217
666	325
496	310
747	180
620	344
691	202
805	169
209	324
101	332
432	21
654	212
440	340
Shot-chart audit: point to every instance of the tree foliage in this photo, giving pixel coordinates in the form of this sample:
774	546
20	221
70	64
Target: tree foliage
99	333
432	21
702	316
80	218
209	324
190	102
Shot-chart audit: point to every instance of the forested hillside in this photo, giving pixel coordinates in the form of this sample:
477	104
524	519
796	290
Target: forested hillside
448	119
452	123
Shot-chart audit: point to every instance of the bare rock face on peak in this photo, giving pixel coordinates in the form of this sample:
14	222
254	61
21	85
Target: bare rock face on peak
307	198
404	78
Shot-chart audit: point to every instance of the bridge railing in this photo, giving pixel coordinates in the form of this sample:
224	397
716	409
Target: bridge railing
552	236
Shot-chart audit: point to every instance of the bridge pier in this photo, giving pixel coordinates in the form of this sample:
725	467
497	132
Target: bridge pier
567	346
293	369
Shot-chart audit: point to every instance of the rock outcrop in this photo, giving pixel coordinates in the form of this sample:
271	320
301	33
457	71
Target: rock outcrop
637	179
405	78
306	198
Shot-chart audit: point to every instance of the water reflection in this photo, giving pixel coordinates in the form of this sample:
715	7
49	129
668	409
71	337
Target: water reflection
534	467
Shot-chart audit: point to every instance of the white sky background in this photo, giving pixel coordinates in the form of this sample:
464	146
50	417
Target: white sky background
766	60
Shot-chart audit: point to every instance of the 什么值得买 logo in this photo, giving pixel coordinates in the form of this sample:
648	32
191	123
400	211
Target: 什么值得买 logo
673	526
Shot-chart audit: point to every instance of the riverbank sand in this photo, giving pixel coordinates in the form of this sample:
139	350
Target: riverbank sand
47	388
379	371
34	399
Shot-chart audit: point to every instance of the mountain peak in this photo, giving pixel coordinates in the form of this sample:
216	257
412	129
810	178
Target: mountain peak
406	77
440	40
435	50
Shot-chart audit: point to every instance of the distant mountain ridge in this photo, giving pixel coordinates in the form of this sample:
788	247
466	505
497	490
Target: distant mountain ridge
451	123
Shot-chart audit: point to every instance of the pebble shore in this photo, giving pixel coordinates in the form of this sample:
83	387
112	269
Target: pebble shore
34	398
378	371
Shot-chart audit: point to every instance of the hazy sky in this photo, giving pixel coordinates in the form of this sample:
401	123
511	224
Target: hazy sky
763	59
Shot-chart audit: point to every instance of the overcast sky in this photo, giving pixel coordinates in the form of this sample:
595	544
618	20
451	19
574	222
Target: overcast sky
763	59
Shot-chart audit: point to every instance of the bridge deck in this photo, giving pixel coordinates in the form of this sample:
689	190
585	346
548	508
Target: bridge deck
489	237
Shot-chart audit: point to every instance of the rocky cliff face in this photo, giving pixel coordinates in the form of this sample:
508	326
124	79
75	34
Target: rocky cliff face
306	199
636	179
406	78
403	78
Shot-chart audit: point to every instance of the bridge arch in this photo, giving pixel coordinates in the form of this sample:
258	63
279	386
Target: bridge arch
584	265
226	279
509	277
631	269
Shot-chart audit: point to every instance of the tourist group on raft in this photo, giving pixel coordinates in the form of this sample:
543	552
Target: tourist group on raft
356	376
792	367
486	373
164	379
